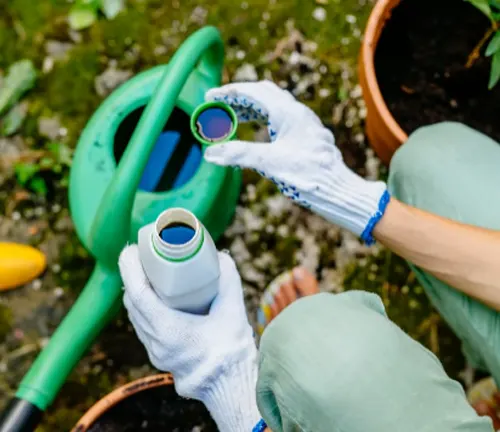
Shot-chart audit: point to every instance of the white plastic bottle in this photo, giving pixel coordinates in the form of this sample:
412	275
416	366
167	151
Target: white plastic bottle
180	260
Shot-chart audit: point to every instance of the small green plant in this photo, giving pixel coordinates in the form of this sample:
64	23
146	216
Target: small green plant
32	172
85	12
20	78
491	8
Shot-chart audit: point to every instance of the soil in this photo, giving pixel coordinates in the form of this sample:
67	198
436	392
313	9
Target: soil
421	66
156	410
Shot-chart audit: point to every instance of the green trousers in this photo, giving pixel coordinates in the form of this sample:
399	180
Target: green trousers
336	363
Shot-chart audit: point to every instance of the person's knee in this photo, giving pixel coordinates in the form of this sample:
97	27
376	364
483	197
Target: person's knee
326	355
317	343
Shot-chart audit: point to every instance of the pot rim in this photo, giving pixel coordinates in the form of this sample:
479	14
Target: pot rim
376	22
119	394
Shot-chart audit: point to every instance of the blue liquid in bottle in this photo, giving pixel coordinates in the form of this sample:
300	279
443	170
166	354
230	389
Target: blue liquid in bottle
177	233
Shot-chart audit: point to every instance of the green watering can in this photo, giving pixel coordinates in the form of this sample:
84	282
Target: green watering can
120	181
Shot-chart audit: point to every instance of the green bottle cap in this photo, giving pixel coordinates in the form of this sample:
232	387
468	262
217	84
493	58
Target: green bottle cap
203	110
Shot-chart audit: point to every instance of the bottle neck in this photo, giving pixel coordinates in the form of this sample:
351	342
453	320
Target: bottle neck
177	252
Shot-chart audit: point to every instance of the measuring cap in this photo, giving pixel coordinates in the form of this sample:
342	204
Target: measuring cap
214	122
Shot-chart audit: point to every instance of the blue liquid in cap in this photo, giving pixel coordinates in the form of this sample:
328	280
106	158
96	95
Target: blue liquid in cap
214	124
177	233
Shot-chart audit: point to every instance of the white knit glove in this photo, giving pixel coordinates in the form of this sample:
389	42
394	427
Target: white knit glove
213	358
303	160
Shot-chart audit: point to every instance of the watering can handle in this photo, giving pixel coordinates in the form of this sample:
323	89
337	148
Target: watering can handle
100	298
203	51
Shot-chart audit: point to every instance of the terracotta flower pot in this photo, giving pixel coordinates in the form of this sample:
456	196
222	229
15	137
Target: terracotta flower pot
383	132
104	404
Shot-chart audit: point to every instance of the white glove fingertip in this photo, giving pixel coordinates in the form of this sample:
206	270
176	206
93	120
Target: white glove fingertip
130	266
233	153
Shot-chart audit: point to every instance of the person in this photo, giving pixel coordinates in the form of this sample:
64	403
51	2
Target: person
336	362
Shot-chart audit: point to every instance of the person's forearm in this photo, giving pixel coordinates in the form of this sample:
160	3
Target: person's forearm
464	256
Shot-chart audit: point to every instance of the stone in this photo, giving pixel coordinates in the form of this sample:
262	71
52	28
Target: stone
246	72
110	79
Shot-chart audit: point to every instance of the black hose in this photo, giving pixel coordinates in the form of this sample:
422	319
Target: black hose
20	416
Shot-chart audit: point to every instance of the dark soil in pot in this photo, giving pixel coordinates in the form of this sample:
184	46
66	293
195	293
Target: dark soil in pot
421	60
159	409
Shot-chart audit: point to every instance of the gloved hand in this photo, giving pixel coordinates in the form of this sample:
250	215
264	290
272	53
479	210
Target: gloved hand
302	160
213	357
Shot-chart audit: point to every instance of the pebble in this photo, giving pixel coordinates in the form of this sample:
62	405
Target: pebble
294	58
199	15
324	93
251	192
110	79
278	205
36	284
308	255
58	292
250	274
239	250
372	165
47	65
57	50
283	231
356	92
309	46
351	19
359	138
319	14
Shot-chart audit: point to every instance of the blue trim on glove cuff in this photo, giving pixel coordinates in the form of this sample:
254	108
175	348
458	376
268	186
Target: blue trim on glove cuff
367	235
260	427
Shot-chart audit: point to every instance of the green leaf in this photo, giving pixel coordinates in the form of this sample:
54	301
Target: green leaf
483	6
20	78
38	185
495	4
111	8
82	15
25	171
494	45
46	163
495	70
13	120
61	152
